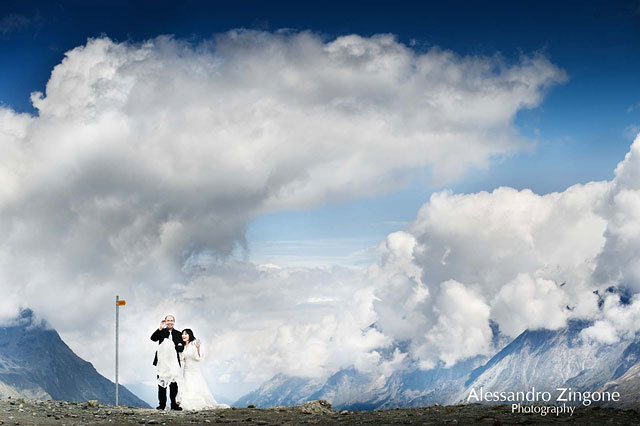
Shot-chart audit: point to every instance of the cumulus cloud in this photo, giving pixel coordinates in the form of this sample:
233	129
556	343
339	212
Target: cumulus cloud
531	303
617	321
512	257
487	239
462	330
619	262
145	163
400	294
515	258
522	253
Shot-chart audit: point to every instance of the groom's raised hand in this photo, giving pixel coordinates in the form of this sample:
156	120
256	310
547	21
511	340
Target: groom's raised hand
162	325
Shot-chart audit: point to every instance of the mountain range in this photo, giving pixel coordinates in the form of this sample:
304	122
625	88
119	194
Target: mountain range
35	363
542	359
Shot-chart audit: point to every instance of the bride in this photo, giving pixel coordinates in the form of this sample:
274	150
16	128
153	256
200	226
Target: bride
194	392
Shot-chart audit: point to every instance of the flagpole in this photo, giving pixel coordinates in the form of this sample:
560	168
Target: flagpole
117	324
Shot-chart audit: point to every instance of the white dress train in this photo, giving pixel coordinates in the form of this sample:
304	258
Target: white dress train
194	392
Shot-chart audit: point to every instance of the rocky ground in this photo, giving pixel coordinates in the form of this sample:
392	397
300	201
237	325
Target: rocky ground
26	412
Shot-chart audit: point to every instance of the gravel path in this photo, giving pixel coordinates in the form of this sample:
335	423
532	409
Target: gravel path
46	413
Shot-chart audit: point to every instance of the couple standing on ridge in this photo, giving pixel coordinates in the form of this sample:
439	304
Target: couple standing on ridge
187	389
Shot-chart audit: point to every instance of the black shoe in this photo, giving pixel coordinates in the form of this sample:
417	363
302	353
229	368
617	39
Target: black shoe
176	407
159	407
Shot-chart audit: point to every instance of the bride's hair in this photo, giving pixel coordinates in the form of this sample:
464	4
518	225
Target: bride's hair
192	338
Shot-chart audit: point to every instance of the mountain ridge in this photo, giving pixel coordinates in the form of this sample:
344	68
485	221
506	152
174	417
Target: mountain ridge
35	363
541	358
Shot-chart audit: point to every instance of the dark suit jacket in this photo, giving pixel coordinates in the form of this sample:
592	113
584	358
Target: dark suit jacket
176	336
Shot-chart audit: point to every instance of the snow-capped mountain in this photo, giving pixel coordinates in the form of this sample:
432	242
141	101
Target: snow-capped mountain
628	385
544	359
547	359
353	390
281	390
36	363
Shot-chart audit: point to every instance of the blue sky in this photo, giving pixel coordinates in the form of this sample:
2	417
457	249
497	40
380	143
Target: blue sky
97	204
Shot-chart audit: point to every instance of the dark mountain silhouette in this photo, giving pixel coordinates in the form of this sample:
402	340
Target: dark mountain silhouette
36	363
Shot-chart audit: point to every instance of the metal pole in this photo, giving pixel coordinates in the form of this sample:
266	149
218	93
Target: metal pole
117	324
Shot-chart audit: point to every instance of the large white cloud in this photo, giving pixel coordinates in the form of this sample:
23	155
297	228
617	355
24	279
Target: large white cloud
514	257
146	162
619	262
462	328
531	303
618	320
522	260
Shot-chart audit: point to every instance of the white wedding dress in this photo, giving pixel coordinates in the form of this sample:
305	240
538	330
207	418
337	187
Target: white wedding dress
194	392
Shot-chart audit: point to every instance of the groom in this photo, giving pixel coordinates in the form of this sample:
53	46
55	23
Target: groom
166	331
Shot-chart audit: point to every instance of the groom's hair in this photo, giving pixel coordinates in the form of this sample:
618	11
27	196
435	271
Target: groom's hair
174	318
192	338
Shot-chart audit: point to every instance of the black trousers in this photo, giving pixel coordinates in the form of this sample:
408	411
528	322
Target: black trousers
162	395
